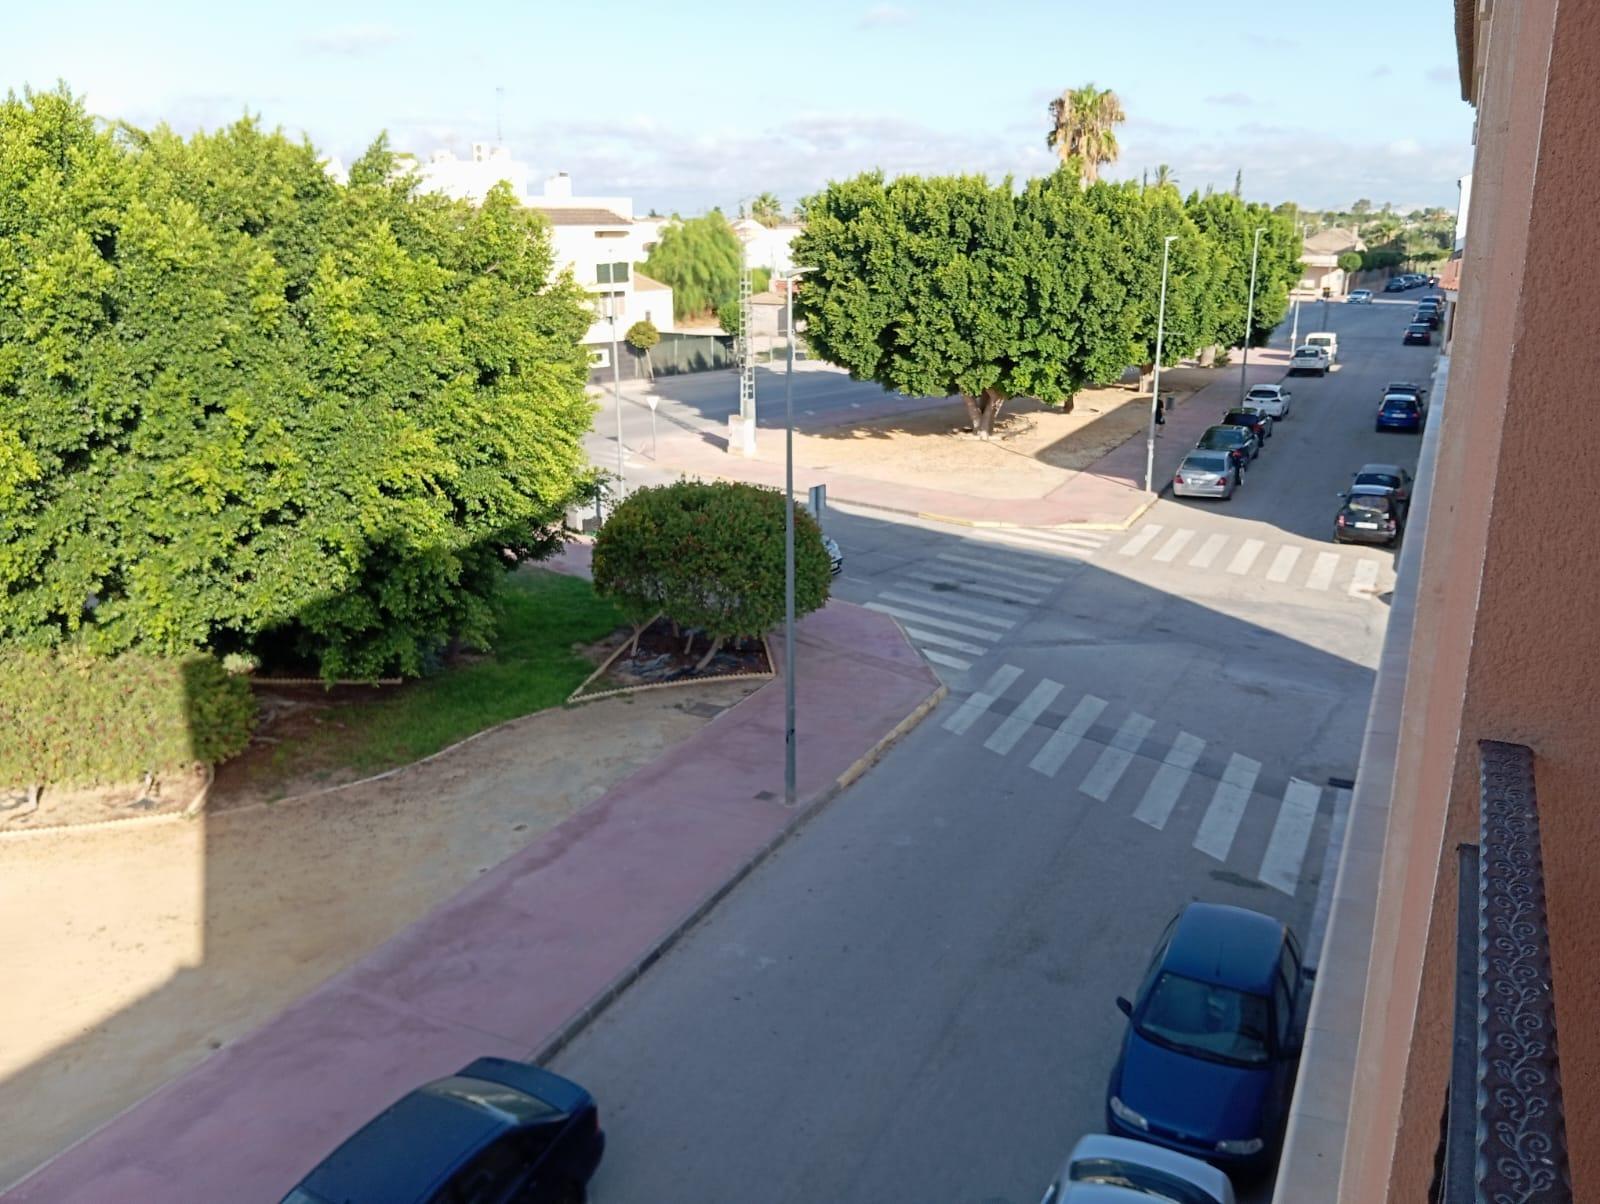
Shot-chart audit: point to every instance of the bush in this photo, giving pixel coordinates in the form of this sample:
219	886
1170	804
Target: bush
709	555
71	719
1350	261
643	335
728	317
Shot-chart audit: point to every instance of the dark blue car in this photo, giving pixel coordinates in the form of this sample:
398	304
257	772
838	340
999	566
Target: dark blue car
1399	412
1208	1062
498	1131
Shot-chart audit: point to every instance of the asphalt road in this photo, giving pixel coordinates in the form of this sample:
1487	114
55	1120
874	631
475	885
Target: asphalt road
913	1000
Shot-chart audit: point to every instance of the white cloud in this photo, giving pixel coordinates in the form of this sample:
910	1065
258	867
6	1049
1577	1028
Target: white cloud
350	39
880	15
1239	99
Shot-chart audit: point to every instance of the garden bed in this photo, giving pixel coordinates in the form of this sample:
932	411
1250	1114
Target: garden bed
665	655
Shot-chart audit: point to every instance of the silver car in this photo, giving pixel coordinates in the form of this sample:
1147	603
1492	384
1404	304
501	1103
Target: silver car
1309	359
1205	474
1111	1170
1361	296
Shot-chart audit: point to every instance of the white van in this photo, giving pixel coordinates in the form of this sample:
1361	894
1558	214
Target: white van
1328	341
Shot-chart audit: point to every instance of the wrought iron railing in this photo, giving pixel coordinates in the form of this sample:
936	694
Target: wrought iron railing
1505	1133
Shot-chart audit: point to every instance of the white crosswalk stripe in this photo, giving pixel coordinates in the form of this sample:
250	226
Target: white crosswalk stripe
995	566
944	641
1280	867
1012	593
1162	794
1066	738
949	662
1004	738
1283	563
931	600
1114	760
1139	542
1052	543
969	711
1176	542
1366	579
1228	802
1208	551
1322	572
1245	557
911	616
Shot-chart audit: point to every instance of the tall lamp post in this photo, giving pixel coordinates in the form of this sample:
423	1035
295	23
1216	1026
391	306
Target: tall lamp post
616	384
789	277
1250	316
1155	388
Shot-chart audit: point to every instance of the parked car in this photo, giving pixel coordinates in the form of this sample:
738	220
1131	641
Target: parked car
1272	400
1208	1062
1252	420
1405	386
1419	334
1328	341
498	1130
1114	1170
1395	284
1389	477
1399	412
1309	359
1206	474
835	556
1368	515
1361	296
1428	315
1239	441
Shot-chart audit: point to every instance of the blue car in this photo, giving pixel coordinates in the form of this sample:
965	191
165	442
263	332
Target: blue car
1208	1063
499	1130
1399	412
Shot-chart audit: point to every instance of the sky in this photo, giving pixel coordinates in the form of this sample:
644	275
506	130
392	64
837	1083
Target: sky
693	104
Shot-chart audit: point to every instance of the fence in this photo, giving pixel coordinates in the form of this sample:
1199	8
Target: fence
673	356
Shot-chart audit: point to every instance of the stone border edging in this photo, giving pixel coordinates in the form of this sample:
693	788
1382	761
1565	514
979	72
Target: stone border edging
803	814
194	807
577	696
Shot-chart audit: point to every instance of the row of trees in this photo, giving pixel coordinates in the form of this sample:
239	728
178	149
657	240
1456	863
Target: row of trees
246	409
955	285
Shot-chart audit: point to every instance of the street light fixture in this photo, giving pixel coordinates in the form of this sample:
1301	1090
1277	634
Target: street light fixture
1155	388
1250	316
789	277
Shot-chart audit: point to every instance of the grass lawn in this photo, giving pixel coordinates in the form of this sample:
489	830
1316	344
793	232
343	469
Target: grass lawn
531	666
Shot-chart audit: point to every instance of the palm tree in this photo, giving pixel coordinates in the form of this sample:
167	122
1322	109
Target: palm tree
1165	176
767	209
1083	125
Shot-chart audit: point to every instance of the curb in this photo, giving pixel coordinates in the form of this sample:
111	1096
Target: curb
812	807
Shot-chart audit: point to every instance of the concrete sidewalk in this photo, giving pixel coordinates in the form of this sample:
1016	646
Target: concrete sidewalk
1109	494
516	962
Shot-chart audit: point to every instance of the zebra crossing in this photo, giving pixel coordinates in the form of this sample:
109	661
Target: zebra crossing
1346	571
1165	781
957	605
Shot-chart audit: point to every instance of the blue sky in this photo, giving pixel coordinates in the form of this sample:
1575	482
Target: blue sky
688	105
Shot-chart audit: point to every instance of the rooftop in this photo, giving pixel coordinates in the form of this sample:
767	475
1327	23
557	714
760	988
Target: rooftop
580	217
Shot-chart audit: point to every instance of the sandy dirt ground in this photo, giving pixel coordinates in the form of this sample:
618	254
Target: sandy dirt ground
1035	448
131	952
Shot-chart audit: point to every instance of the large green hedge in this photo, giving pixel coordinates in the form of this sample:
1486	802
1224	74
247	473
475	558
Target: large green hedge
68	718
246	407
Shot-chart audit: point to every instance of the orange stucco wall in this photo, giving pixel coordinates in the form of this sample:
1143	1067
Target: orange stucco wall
1507	641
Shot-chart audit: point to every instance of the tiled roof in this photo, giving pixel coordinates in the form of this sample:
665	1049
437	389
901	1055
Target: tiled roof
1335	240
581	217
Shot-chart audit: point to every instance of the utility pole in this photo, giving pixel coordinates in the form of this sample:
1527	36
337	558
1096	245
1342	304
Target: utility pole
616	384
1250	316
1155	387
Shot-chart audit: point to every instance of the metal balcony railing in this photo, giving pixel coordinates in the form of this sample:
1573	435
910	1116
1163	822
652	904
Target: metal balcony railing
1505	1133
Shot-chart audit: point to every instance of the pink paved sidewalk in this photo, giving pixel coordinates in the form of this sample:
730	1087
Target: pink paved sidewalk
1109	493
511	962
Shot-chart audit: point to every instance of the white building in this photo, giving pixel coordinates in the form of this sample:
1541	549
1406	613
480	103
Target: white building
470	179
767	246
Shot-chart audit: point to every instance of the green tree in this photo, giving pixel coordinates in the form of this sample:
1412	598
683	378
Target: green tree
642	336
244	408
1083	123
767	209
1362	207
730	316
700	259
710	556
1350	261
1165	176
1230	225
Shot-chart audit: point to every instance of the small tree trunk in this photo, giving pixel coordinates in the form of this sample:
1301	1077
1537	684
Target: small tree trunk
688	643
716	646
974	414
633	645
993	403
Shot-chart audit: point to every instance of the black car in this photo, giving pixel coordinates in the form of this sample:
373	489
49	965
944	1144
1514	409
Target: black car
499	1130
1257	424
1239	443
1407	387
1419	334
1368	515
1395	284
1427	316
1374	478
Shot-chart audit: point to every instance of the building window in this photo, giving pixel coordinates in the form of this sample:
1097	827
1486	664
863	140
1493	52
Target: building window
611	273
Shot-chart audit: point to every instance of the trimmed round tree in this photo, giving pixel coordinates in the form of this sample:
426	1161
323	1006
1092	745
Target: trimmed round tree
709	556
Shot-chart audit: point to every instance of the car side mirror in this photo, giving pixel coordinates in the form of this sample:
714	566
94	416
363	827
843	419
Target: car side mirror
1125	1007
1341	496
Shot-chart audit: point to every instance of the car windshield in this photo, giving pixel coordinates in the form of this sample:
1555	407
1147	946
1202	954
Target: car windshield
1147	1180
1205	464
1264	392
1385	479
1376	503
1241	418
1207	1020
1225	435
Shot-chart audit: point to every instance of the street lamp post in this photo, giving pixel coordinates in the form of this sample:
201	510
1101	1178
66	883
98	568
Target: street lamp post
1250	316
1155	387
616	384
788	539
